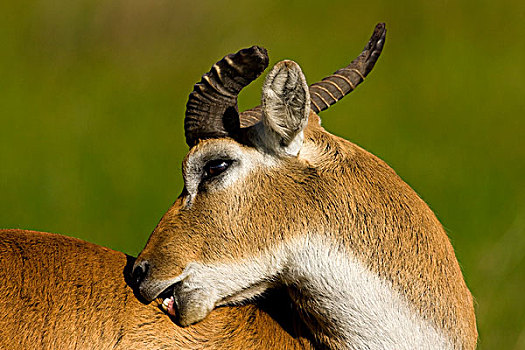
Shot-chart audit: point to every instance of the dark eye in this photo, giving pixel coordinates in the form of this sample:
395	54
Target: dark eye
216	167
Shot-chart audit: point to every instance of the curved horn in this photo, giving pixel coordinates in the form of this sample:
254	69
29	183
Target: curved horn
333	88
212	110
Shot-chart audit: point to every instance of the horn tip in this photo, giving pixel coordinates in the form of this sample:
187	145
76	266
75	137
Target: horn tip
379	32
256	57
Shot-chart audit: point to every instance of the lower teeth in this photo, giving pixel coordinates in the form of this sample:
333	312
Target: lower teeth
165	304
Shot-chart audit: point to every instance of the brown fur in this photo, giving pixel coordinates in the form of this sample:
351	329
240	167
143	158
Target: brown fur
58	293
332	188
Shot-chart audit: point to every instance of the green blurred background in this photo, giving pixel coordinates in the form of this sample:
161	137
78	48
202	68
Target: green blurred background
92	97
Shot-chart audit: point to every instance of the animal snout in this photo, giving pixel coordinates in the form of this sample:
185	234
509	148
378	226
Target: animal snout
140	271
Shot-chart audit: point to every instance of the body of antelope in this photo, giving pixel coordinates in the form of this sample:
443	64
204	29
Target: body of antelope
61	293
270	200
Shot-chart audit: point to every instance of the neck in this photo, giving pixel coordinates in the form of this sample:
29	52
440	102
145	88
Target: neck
345	305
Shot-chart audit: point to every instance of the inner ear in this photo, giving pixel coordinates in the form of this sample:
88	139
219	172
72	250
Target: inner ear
286	106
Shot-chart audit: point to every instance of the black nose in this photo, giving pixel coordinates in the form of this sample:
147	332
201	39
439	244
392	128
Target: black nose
139	272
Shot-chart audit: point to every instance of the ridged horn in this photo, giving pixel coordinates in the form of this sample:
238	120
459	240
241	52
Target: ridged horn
212	111
333	88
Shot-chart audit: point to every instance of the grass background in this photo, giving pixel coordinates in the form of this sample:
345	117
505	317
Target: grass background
92	97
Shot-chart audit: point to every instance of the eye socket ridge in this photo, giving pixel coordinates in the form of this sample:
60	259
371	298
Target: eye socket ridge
216	167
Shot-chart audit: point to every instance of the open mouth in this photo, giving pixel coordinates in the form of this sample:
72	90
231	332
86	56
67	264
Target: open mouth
168	300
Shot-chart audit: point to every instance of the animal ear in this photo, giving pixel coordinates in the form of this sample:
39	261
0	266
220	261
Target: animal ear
285	106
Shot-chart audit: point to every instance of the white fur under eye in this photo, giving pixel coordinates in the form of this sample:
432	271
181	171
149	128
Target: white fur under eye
242	160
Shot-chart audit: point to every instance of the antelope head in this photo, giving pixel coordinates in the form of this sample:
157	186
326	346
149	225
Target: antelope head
271	198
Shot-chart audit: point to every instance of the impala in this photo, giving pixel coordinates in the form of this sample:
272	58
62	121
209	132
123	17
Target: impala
320	241
271	199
